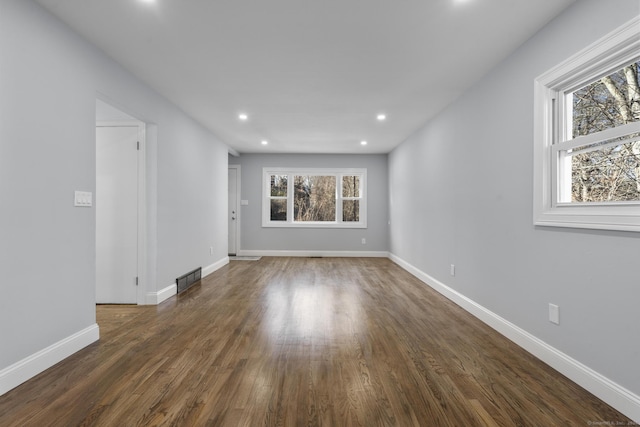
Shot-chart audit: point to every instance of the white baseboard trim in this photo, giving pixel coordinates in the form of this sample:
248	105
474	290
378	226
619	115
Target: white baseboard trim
328	254
155	298
27	368
215	266
612	393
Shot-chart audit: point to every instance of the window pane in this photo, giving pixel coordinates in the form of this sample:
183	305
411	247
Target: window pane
350	186
606	173
314	198
279	185
351	210
278	210
606	103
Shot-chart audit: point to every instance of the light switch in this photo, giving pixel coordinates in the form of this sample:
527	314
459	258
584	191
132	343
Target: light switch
83	199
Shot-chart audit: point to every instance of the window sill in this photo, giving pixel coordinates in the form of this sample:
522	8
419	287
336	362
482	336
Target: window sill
620	218
313	225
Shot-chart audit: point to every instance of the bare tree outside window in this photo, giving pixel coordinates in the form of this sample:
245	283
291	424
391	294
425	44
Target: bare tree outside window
314	198
278	197
609	170
587	136
350	195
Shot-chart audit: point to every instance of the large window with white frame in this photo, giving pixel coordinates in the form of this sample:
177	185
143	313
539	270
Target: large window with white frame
587	136
313	197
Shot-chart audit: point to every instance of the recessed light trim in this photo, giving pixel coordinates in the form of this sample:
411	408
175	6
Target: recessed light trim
363	142
264	142
381	117
243	116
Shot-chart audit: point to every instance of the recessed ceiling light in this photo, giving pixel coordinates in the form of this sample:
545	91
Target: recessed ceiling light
148	1
264	142
363	142
381	117
243	116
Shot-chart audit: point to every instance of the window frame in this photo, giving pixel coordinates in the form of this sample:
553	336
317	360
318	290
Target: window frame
603	57
291	172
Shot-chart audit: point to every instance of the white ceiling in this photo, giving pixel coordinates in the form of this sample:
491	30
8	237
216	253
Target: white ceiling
311	74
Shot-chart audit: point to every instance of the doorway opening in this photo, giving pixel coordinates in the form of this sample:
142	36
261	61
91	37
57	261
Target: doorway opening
120	207
234	210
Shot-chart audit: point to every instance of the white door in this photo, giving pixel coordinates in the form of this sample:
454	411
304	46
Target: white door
233	210
116	214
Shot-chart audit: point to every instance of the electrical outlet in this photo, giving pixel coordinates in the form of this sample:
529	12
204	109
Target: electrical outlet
452	270
364	241
554	314
210	250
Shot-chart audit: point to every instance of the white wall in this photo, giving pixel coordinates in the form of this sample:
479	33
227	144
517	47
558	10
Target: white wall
49	81
461	193
256	238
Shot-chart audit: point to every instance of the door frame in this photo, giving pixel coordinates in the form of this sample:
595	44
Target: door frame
238	205
141	265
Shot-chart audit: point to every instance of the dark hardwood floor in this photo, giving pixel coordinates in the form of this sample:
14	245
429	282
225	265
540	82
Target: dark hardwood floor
301	342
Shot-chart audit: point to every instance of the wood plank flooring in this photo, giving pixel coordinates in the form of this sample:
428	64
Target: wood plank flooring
301	342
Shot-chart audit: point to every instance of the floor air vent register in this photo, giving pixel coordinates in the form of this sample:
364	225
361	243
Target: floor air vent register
186	281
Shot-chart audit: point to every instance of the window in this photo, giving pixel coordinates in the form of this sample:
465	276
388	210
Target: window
314	198
587	137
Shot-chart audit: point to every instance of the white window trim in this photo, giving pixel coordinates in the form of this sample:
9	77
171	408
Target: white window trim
615	49
266	207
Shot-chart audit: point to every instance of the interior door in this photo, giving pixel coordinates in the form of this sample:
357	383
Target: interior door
233	211
116	214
